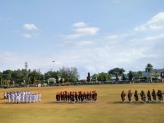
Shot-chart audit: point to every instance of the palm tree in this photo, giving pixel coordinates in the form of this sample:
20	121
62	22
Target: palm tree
148	68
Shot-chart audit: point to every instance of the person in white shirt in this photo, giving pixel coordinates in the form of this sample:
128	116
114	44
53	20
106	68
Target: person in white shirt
9	98
39	97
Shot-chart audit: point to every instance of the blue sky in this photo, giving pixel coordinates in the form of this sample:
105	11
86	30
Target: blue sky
92	35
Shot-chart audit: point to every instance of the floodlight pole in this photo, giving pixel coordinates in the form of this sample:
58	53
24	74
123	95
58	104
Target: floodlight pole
53	64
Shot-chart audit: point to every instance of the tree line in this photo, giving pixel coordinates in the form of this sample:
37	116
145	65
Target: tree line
66	74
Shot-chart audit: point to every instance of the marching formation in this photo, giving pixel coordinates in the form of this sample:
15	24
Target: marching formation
22	97
151	96
75	97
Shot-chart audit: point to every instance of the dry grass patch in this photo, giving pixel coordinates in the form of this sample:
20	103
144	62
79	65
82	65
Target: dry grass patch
108	108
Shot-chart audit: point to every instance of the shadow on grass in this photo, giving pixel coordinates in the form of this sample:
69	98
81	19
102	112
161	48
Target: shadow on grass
65	103
135	103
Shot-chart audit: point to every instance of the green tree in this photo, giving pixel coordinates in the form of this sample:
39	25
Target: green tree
149	68
130	75
123	77
7	74
88	77
0	78
94	77
156	74
34	76
69	72
116	71
103	76
54	74
139	74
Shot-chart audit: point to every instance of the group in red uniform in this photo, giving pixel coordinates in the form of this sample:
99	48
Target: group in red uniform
75	97
151	97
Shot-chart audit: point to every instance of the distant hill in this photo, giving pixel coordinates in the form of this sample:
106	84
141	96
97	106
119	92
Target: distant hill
154	70
145	73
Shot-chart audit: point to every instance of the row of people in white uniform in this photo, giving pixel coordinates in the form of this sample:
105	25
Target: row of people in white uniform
23	97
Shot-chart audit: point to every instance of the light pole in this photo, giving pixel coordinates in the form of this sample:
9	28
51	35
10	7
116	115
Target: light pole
53	64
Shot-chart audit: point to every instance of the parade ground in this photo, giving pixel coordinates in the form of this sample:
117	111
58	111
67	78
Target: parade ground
108	109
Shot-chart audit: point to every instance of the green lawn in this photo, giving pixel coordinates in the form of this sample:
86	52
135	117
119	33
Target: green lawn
108	109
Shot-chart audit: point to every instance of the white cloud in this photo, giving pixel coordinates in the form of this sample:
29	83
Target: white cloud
131	51
7	56
8	18
140	28
156	23
154	27
116	37
157	18
80	32
117	1
76	43
27	35
79	24
154	37
29	26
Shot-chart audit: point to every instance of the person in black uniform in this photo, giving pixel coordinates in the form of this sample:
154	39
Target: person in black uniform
136	96
159	94
123	95
88	97
95	96
153	95
79	96
58	97
149	96
85	96
129	96
76	97
141	94
82	97
144	97
65	96
72	97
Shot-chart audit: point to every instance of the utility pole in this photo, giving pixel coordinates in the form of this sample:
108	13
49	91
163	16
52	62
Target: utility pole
53	64
26	68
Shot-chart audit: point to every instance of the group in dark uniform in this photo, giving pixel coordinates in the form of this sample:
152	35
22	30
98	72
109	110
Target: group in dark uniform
75	97
151	97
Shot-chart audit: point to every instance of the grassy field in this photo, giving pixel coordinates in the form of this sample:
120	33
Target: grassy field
108	109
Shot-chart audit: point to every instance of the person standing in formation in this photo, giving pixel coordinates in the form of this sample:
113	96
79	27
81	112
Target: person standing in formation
9	98
154	95
141	94
123	95
94	97
39	97
159	94
75	97
144	97
22	96
5	95
136	96
149	96
129	96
